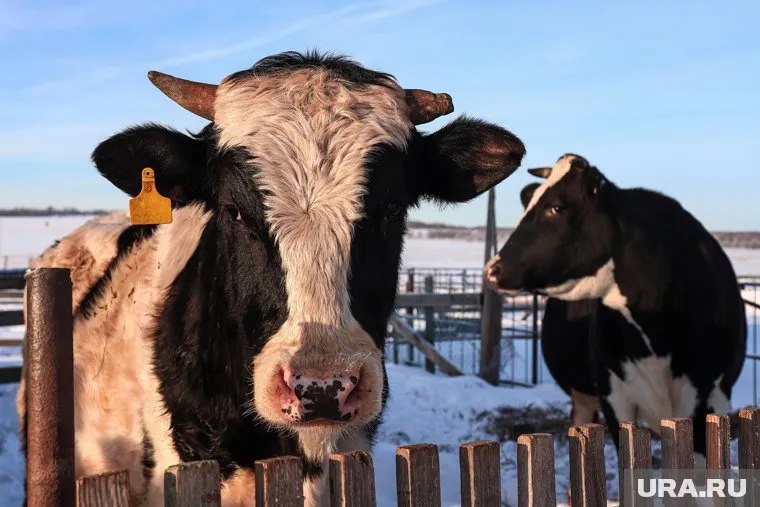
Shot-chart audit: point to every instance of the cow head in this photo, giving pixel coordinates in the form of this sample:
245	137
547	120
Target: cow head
307	169
563	243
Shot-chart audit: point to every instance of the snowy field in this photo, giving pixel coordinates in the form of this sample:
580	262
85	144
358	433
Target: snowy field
422	408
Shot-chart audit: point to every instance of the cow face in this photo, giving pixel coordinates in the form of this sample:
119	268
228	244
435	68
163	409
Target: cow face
563	242
308	168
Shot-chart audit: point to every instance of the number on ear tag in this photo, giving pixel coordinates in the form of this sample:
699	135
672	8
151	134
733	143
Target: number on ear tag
150	207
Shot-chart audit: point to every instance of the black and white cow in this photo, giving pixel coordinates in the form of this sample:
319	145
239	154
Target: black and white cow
565	332
680	345
253	325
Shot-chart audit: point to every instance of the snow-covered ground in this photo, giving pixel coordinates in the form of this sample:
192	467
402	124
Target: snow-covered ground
422	407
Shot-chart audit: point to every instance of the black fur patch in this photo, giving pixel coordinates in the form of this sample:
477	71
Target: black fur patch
148	458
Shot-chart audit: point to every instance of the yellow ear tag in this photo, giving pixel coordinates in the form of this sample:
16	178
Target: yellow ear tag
150	207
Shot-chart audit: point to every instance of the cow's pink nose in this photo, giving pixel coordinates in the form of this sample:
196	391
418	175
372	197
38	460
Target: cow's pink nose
306	398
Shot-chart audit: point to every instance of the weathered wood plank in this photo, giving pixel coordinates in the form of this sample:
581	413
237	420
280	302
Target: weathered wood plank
749	438
418	477
635	453
352	480
406	332
588	486
192	484
677	443
110	489
278	482
535	471
480	473
718	440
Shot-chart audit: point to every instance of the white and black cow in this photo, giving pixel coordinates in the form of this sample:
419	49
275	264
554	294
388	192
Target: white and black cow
253	325
680	345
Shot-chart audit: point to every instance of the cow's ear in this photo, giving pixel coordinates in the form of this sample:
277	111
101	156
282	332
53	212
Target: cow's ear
592	181
178	160
526	194
467	157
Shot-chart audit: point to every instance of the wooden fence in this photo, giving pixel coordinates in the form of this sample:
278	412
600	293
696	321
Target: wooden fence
352	477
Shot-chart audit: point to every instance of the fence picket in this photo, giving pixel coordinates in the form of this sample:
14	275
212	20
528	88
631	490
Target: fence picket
111	489
635	453
749	438
192	484
535	471
276	480
352	480
418	477
677	443
587	466
480	473
718	439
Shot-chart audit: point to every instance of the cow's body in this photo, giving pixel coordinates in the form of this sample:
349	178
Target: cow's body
668	336
253	325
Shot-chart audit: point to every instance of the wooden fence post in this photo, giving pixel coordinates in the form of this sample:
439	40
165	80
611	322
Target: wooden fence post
109	489
749	438
635	454
410	313
677	443
718	436
192	484
275	480
588	486
749	447
491	313
418	477
480	473
352	480
429	322
534	338
535	471
49	370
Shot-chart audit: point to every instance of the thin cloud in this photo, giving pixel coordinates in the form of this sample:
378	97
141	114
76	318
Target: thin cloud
351	14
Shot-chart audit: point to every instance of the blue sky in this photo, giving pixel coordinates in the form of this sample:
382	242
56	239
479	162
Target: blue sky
664	95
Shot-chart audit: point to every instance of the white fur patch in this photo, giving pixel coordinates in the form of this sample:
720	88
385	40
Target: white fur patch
718	400
650	393
560	169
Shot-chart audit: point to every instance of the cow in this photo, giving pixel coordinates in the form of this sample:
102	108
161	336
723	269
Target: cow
253	325
680	344
565	331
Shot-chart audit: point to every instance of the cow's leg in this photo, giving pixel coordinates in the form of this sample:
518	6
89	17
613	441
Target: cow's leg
585	408
611	421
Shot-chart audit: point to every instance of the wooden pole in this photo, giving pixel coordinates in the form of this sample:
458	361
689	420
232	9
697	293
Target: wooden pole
418	476
49	369
429	323
490	327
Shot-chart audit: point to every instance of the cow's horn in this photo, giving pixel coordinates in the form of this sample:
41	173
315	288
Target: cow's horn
425	106
541	172
198	98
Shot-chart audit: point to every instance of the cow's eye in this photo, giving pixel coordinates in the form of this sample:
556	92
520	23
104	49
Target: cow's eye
233	212
556	209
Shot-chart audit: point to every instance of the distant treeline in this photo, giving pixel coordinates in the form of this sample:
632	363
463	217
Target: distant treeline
49	211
